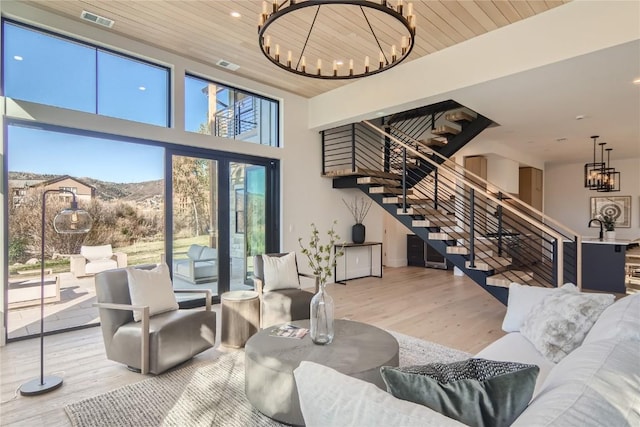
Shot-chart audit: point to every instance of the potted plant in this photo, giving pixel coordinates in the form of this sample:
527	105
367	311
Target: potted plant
322	260
359	208
609	224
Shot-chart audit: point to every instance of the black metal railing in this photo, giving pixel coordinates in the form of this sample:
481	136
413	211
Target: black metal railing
499	234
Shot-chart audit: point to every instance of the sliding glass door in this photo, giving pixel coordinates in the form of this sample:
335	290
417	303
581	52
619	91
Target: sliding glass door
195	223
247	220
220	210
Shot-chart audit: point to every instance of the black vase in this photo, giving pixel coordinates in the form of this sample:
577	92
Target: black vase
357	233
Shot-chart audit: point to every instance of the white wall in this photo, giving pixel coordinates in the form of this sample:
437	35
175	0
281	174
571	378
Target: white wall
306	196
566	199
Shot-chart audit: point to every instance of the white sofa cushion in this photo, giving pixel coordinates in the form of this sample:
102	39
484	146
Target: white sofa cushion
95	253
596	385
280	272
559	323
99	265
522	299
152	288
621	320
329	398
514	347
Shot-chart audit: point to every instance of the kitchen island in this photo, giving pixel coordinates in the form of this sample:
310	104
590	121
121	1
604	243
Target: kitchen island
603	264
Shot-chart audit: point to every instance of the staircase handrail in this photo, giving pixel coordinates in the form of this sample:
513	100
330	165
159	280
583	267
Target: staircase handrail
529	219
497	189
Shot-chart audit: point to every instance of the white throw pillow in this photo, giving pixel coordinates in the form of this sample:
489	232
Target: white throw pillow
558	324
620	320
522	298
152	288
330	398
280	272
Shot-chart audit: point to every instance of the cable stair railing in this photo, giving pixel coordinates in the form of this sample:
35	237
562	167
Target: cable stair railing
493	238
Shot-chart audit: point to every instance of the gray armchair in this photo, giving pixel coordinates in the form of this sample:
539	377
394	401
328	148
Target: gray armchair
282	305
157	342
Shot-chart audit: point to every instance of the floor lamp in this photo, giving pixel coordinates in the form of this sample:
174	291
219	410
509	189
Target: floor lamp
69	221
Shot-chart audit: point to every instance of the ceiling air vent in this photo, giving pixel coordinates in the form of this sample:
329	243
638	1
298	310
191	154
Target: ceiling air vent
228	65
97	19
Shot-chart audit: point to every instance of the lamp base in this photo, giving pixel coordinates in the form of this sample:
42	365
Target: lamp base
35	387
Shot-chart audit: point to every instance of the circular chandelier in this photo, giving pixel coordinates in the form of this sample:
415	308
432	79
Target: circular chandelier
346	39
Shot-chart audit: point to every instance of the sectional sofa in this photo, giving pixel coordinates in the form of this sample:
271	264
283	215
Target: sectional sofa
595	384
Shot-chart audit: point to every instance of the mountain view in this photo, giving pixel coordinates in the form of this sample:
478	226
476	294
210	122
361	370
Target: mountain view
136	192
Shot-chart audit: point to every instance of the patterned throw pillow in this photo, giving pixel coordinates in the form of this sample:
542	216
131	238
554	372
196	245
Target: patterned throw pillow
476	392
559	323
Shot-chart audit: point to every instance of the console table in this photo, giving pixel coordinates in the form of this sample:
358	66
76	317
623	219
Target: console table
345	247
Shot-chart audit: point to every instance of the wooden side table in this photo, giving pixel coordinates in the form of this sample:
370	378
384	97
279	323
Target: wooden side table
240	317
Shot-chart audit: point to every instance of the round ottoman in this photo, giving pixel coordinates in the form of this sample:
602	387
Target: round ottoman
358	350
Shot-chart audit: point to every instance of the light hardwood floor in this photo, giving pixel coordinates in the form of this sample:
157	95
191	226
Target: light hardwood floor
425	303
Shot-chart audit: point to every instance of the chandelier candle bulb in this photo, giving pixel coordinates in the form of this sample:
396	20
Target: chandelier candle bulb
264	8
319	66
381	60
399	7
289	58
351	67
275	6
277	53
303	63
410	9
393	53
366	64
335	68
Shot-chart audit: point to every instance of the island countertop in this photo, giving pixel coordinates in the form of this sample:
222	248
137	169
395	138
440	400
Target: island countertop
595	240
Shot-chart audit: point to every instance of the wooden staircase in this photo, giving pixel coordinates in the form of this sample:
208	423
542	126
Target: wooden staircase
411	178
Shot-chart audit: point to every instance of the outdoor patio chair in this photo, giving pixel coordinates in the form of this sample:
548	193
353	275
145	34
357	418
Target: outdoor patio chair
94	259
200	266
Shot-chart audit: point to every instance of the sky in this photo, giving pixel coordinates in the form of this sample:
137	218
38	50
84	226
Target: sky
48	152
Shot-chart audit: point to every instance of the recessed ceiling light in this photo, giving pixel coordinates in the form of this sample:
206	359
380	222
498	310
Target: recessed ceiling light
235	14
142	88
580	117
18	57
637	81
563	139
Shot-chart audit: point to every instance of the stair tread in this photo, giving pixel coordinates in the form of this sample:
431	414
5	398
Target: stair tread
459	116
445	130
361	172
377	180
386	190
506	278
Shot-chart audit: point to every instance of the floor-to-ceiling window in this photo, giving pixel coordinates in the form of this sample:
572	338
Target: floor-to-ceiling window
123	195
151	201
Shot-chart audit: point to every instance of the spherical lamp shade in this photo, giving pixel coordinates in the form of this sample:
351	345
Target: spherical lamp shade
72	221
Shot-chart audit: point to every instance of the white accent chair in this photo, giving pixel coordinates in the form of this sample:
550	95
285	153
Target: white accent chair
95	259
200	266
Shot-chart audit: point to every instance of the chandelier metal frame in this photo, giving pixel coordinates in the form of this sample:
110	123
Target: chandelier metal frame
300	67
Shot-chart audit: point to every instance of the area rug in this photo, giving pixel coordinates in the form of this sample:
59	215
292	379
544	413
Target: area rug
208	393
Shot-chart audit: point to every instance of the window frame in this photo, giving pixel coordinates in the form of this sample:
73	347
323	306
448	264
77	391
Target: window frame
97	48
237	90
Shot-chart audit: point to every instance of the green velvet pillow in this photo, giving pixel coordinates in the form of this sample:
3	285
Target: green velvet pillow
476	392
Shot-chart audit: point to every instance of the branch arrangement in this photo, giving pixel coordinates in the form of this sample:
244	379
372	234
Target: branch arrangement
321	258
359	208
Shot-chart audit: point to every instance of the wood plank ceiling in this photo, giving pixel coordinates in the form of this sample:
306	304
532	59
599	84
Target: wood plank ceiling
206	32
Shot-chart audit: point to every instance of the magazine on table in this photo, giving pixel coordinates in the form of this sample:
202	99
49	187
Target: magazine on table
289	331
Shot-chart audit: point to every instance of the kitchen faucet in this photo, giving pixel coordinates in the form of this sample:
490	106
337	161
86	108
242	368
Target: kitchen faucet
601	235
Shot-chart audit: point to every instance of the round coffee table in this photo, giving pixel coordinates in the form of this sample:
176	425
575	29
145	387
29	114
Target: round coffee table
358	350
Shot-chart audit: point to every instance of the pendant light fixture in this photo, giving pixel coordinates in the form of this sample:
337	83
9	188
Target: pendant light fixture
600	176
